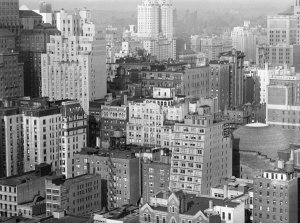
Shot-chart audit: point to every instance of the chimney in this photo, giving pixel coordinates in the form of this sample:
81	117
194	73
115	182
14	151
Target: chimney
211	204
183	204
225	191
292	155
98	142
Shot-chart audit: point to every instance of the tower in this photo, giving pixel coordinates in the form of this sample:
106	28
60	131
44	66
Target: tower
297	14
155	18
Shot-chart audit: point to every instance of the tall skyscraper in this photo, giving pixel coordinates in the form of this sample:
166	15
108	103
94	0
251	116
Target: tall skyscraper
155	28
244	39
74	65
155	18
236	77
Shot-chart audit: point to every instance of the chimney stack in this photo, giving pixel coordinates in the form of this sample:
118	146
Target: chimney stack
211	204
225	191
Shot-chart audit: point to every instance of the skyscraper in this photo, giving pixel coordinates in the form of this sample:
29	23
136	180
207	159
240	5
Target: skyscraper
74	65
244	39
155	28
155	18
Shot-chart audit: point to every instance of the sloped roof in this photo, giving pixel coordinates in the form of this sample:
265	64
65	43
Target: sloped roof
28	13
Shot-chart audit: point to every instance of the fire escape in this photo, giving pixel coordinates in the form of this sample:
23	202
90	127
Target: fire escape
112	184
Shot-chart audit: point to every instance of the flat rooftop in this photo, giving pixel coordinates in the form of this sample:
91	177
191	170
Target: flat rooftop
14	181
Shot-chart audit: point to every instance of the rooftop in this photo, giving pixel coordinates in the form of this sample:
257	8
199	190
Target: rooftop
124	152
66	219
128	213
14	181
28	13
195	203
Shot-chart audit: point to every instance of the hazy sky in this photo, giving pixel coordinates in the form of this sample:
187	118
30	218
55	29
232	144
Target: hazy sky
268	5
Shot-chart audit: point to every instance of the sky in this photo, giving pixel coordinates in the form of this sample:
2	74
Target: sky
123	5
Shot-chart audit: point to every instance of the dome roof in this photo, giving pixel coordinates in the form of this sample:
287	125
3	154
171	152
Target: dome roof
261	138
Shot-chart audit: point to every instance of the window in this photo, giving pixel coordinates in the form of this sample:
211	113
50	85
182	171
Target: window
229	216
223	215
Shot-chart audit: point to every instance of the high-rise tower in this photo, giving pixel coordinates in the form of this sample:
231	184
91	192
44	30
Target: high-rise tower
297	13
155	18
74	65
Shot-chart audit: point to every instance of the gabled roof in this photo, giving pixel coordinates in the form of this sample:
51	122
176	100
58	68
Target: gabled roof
28	13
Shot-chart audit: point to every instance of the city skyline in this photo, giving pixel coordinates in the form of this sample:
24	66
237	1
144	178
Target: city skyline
150	111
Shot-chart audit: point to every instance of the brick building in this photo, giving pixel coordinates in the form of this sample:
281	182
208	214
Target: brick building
80	195
119	171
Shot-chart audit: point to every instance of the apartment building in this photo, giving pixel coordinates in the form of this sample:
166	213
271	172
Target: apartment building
202	153
119	171
113	119
32	45
11	75
11	142
156	177
79	60
15	191
7	40
41	130
9	15
73	135
80	195
219	83
276	196
236	70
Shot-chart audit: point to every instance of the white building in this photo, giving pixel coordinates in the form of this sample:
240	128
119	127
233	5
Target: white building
41	130
245	40
155	18
74	64
268	73
147	119
162	48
